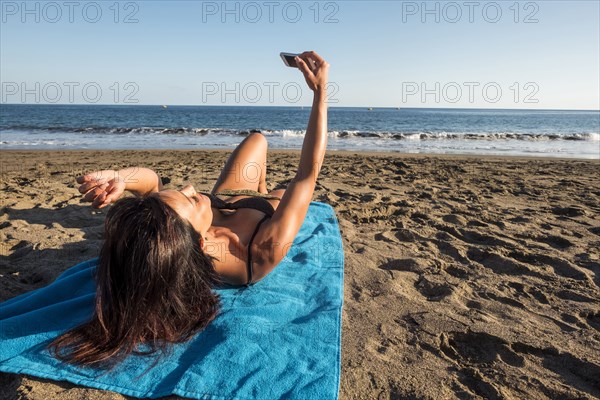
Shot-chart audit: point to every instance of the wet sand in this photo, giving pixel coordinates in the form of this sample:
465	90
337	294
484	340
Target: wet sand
465	277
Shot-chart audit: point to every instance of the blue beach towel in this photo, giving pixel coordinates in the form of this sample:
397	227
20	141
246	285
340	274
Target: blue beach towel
279	338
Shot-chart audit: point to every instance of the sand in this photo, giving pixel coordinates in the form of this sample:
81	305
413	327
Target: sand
465	277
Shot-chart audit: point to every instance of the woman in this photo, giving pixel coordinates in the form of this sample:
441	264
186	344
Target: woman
165	250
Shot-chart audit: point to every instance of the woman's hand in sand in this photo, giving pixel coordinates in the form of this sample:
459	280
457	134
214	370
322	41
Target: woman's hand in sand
101	187
315	70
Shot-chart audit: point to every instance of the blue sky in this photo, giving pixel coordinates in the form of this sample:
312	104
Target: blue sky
503	54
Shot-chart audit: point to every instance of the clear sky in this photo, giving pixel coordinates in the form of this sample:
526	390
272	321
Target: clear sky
503	54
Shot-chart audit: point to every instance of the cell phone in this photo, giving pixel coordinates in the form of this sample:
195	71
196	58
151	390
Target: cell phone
288	59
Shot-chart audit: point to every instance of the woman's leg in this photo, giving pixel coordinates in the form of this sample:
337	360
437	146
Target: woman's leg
246	167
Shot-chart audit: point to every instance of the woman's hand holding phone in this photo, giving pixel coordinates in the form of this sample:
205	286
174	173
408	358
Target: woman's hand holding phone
315	70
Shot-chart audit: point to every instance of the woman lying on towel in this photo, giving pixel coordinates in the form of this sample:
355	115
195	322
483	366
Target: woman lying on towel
165	249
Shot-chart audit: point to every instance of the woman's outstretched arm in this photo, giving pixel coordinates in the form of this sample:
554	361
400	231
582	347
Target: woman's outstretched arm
274	241
106	186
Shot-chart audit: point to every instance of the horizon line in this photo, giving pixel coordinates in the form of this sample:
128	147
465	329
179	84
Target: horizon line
292	106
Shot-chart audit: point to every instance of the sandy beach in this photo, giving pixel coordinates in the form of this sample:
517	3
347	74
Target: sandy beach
465	277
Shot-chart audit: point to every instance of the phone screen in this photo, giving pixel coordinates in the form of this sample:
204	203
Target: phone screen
289	59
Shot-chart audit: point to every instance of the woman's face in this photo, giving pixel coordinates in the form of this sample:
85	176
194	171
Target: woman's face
191	206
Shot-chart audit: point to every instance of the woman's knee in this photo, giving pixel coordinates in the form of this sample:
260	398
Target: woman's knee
259	138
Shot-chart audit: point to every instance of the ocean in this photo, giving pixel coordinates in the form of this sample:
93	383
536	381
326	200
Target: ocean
570	134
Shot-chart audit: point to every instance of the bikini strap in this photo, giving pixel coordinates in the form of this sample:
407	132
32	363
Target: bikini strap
249	266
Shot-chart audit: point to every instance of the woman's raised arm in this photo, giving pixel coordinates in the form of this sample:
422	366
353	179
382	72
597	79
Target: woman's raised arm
106	186
275	240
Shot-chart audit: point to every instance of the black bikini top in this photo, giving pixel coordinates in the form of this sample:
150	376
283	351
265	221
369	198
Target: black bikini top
257	203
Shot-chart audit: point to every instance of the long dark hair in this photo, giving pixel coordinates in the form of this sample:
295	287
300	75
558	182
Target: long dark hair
153	286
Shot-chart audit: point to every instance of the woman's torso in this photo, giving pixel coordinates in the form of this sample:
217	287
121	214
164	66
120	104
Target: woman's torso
235	229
